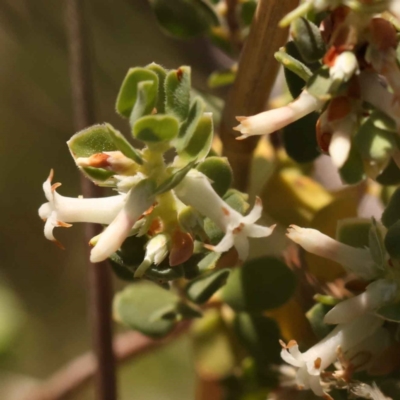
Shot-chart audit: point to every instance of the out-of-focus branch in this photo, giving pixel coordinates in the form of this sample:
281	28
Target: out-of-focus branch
99	281
255	78
81	370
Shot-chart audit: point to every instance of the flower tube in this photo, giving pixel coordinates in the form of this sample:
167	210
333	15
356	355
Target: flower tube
138	200
377	294
273	120
61	211
311	363
195	190
356	260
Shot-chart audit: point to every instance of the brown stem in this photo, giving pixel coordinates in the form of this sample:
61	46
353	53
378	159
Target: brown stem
70	379
100	286
256	75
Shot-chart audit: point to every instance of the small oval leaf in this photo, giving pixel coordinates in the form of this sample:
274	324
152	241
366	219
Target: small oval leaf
259	285
156	128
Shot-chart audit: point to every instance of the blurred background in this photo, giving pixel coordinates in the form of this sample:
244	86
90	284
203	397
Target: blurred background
43	295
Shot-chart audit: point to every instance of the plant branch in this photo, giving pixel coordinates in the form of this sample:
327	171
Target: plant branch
78	372
233	24
255	78
99	279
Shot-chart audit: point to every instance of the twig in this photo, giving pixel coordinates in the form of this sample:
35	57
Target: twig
81	370
100	286
256	75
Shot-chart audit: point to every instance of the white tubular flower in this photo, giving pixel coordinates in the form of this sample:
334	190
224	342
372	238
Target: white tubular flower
311	363
61	211
340	145
356	260
156	250
195	190
111	160
273	120
138	200
344	67
377	294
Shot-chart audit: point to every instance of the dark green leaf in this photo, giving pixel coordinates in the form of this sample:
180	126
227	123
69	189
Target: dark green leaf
174	179
200	142
392	240
372	142
390	175
392	211
352	171
259	285
218	170
184	18
260	336
316	317
308	39
137	303
202	288
128	93
300	139
247	10
156	128
188	128
177	92
390	312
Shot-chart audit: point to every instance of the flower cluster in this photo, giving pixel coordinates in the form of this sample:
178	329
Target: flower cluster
350	66
358	319
152	192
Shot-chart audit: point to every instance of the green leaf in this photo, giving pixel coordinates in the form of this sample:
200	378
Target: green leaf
177	92
316	318
174	179
202	288
124	146
218	170
221	78
161	73
200	142
390	175
237	200
308	39
156	128
98	139
392	241
247	11
320	85
259	285
188	127
184	18
300	139
137	305
210	261
392	211
354	231
376	245
260	336
372	142
145	101
352	171
128	93
293	65
390	312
